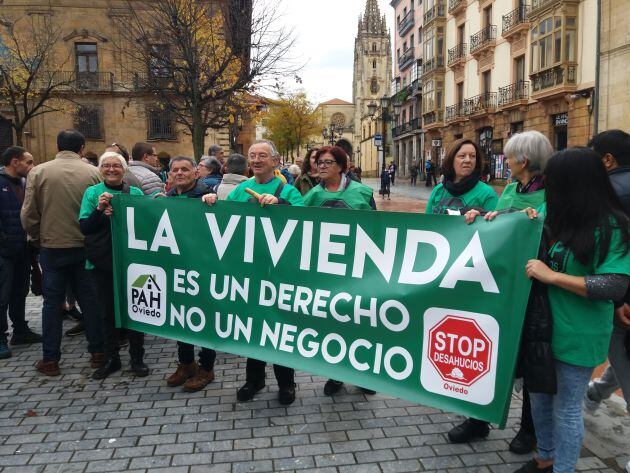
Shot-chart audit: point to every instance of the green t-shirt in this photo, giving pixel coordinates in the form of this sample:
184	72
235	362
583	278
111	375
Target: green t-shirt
355	196
582	327
90	202
510	199
288	193
441	200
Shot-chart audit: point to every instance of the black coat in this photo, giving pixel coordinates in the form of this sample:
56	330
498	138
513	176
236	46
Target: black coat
536	362
12	235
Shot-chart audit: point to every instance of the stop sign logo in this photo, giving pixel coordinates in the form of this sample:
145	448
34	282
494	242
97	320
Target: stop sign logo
460	350
459	354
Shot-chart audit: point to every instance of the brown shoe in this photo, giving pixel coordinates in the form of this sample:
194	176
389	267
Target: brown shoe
182	374
97	360
199	381
49	368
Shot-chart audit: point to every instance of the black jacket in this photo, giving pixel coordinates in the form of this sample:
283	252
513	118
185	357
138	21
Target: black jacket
12	235
197	192
620	180
536	362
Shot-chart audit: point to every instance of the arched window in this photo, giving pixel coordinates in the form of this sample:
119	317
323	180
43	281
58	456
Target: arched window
374	64
373	46
338	119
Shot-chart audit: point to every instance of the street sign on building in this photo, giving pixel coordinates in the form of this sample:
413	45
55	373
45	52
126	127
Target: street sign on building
378	140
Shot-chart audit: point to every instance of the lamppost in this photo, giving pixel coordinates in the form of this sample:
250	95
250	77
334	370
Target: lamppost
381	112
332	133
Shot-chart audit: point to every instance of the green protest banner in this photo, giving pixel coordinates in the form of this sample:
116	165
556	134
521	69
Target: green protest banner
422	307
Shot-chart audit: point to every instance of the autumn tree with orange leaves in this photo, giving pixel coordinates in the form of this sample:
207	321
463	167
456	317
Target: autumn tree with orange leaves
202	57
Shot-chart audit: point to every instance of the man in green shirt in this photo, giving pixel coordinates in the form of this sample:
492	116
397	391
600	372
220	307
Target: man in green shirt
270	190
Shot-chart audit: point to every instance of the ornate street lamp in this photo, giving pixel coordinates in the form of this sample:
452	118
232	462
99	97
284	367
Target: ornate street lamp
332	133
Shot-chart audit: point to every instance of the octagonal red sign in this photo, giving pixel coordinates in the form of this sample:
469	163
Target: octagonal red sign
459	350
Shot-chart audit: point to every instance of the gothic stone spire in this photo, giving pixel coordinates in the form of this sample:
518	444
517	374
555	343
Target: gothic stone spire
372	21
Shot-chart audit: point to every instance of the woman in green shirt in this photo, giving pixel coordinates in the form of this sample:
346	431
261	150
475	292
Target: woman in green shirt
94	219
462	189
585	270
336	190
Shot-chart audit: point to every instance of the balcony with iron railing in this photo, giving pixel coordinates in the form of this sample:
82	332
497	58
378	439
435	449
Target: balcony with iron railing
483	40
438	11
456	6
515	21
77	81
457	55
557	79
145	81
539	5
435	64
406	59
406	23
455	112
416	87
481	104
514	94
433	119
411	125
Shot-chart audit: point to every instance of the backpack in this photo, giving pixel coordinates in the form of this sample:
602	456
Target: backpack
98	245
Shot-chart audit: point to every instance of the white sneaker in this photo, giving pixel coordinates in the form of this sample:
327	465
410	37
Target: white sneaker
628	467
590	404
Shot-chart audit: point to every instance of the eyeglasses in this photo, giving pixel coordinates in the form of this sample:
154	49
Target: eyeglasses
112	166
326	163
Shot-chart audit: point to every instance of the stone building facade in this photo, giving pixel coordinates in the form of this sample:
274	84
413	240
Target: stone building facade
371	82
339	113
614	66
110	106
491	68
406	87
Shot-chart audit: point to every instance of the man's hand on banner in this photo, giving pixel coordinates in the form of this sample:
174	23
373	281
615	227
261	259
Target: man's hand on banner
264	199
210	199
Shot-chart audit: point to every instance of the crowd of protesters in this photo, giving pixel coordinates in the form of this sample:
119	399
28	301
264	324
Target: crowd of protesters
55	217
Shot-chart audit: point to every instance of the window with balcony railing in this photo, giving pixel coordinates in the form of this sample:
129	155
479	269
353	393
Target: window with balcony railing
515	17
513	93
480	103
406	23
456	53
553	41
407	58
486	36
437	11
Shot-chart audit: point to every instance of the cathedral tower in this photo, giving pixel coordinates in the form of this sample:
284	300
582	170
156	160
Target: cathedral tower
372	71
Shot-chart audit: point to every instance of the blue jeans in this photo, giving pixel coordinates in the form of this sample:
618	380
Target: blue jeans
14	281
60	268
558	418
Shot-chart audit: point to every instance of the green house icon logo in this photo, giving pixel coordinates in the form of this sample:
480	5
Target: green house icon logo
146	294
146	281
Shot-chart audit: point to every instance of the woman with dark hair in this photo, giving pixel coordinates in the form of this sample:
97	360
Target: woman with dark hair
461	188
309	177
586	268
337	190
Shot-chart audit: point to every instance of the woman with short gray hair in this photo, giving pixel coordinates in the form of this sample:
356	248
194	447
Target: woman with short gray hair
526	154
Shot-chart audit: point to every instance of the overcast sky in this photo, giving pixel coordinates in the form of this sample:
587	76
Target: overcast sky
325	32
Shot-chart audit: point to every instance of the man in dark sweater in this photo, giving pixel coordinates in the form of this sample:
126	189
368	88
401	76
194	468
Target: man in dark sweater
193	376
614	148
14	255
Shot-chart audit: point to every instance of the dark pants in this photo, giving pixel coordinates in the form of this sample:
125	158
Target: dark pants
527	423
14	281
186	355
414	178
104	281
431	180
392	177
255	372
60	267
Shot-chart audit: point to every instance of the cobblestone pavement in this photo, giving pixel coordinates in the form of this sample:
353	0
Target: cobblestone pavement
74	424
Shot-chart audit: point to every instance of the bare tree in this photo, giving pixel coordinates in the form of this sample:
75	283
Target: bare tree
28	83
202	57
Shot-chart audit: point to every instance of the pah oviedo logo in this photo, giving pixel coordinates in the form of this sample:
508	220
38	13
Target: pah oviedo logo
146	294
459	354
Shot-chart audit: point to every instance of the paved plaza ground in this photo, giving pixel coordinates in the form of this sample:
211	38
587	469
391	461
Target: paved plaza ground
74	424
